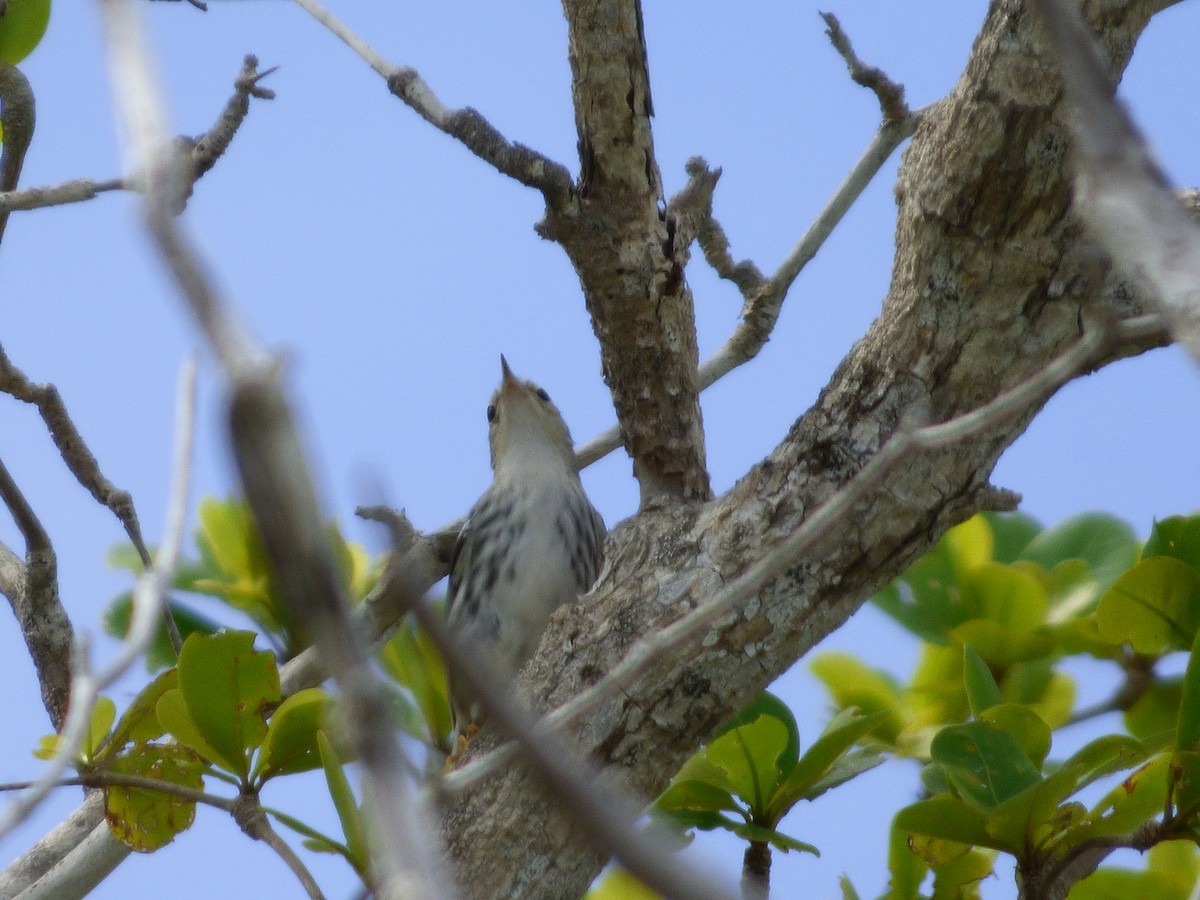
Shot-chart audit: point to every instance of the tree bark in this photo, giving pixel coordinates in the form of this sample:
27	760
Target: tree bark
990	281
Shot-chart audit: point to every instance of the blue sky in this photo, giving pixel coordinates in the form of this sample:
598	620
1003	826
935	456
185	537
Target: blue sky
391	268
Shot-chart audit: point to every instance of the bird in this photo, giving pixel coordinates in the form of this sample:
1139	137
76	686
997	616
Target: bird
531	543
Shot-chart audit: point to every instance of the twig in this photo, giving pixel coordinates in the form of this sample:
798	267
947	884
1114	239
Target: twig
907	440
75	191
73	449
248	813
1120	192
149	599
44	623
212	146
201	154
465	125
889	93
276	481
606	814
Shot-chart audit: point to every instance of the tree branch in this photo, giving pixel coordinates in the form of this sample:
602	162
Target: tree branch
1120	191
466	125
629	259
202	154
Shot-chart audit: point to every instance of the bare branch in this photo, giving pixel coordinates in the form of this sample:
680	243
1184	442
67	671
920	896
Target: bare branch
76	191
17	121
1121	193
73	449
890	93
38	609
248	813
465	125
211	146
202	154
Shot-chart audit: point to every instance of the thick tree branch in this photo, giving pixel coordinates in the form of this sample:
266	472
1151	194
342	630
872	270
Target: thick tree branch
630	260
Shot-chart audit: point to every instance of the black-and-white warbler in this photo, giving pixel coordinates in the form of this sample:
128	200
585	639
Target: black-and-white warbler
531	543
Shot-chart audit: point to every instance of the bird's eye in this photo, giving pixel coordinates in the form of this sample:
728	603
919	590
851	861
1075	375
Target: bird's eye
541	392
491	413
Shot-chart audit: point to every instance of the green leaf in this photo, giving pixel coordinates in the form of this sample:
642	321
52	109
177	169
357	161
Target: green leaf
955	879
139	723
842	732
314	840
1138	798
949	818
1021	820
854	684
749	755
619	884
103	713
172	714
146	820
689	795
1001	645
982	690
1185	783
767	704
411	658
1007	595
1177	537
291	742
1050	693
1072	591
1011	534
1108	545
22	28
343	802
225	690
984	764
751	832
232	549
1187	732
847	766
927	598
1157	710
906	869
1155	606
160	654
1023	724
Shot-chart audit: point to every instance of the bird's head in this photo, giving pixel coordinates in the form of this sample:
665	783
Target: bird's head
524	426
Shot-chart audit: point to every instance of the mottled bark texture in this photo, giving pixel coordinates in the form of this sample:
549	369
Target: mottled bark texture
990	280
616	231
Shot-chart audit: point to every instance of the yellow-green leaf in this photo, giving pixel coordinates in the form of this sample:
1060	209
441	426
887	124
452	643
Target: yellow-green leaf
22	28
146	820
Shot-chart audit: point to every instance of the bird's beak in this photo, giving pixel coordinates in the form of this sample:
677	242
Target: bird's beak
505	371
